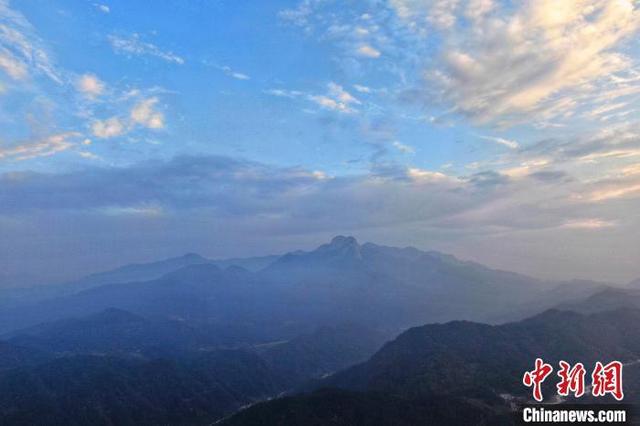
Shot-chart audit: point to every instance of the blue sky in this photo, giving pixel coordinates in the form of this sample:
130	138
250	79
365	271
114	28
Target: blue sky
504	132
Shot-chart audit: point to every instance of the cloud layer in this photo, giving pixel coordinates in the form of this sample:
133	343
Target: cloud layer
204	193
538	59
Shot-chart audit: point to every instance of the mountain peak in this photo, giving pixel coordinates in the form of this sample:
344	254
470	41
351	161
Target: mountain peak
343	241
193	257
341	247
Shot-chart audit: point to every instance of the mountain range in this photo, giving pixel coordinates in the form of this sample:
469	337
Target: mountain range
191	341
465	372
341	281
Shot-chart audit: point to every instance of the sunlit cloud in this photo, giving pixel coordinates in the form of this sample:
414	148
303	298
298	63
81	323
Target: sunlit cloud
616	153
133	45
44	147
145	114
491	72
90	85
616	191
588	224
368	51
22	52
13	67
336	99
362	89
502	141
422	175
633	169
526	168
234	74
108	128
142	210
282	93
102	8
405	149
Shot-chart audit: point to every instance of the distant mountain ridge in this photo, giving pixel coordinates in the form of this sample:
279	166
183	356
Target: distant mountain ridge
606	299
208	337
467	373
135	272
95	390
13	356
341	281
118	368
465	358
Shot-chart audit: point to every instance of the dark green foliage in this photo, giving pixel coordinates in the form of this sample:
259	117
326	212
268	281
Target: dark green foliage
344	408
325	351
109	391
464	358
456	373
12	356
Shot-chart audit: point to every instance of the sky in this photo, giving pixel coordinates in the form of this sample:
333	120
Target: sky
505	132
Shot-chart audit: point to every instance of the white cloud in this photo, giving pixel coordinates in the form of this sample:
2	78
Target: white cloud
588	224
615	191
526	168
615	153
22	52
477	9
337	92
362	89
109	128
301	13
337	99
422	175
134	45
142	210
368	51
539	59
88	155
144	114
12	66
633	169
102	8
405	149
283	93
90	85
420	14
234	74
502	141
40	148
358	34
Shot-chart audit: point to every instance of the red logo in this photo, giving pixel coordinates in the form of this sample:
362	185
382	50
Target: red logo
605	379
571	379
536	377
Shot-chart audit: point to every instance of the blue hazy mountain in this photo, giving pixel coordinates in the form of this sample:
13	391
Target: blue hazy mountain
123	274
606	299
465	372
452	373
341	281
118	368
205	339
463	357
115	332
128	273
337	407
12	356
119	332
104	390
